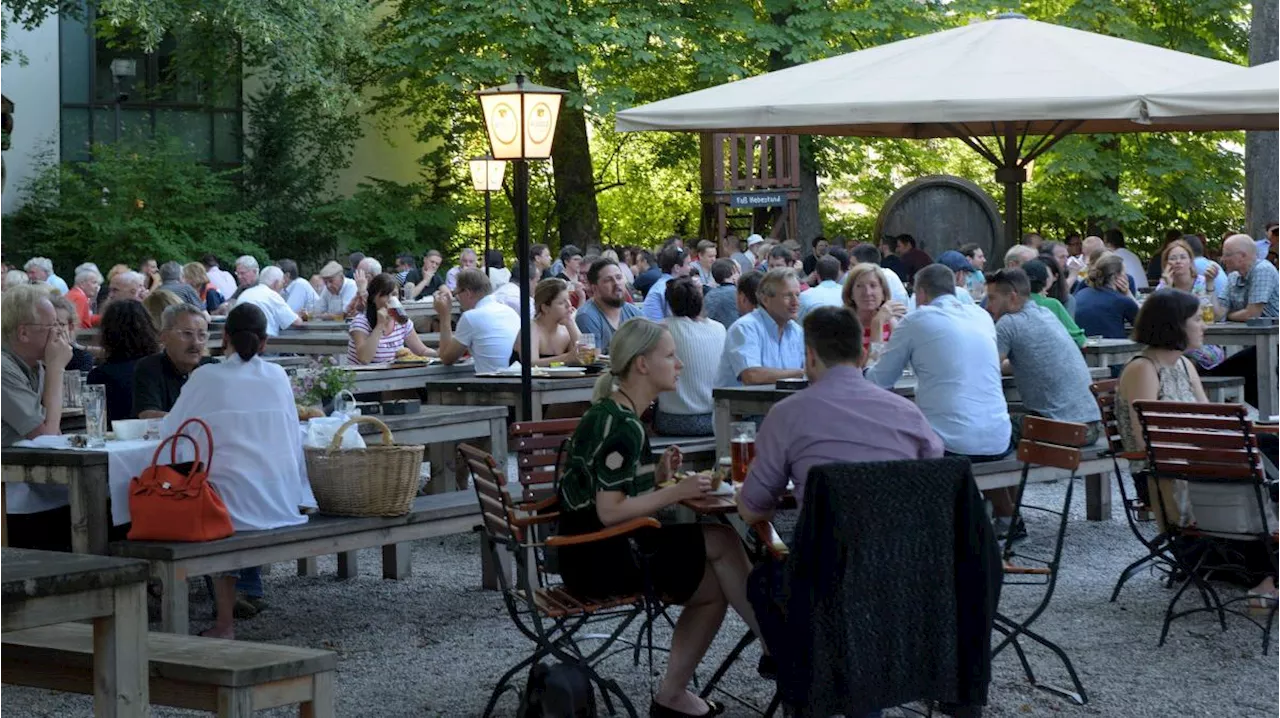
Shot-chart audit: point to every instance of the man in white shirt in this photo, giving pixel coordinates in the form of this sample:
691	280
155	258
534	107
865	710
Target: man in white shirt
40	271
1133	266
509	293
298	292
487	327
745	259
827	293
338	292
266	294
951	345
223	281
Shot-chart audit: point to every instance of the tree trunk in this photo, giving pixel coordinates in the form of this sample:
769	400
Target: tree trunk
577	215
1261	174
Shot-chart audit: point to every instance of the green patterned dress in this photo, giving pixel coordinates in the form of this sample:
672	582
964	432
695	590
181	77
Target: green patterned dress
610	451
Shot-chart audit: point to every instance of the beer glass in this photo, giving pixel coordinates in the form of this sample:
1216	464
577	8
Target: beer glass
71	383
396	310
587	349
94	400
742	448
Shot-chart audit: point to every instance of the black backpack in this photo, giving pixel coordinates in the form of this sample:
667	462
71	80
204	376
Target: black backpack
560	691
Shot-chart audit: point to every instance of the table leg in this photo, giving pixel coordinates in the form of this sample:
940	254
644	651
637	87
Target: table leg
321	703
1097	497
4	514
1265	354
537	406
723	417
498	443
308	567
443	477
120	666
235	702
88	497
348	564
173	604
397	560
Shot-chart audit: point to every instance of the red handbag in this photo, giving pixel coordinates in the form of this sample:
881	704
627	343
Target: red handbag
176	502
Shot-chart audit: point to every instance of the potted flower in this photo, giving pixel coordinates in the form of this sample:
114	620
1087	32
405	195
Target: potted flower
316	385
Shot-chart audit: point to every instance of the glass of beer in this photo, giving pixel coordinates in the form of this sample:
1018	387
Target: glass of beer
1206	310
587	349
94	400
742	448
397	311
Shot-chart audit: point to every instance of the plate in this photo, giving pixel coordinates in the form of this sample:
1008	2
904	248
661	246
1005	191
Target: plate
560	371
726	489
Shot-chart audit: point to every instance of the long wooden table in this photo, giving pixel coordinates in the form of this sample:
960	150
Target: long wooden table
1107	352
505	391
370	379
1264	341
42	588
84	473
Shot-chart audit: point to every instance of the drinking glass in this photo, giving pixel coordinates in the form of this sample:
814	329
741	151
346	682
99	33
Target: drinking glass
742	448
587	349
94	400
71	389
874	350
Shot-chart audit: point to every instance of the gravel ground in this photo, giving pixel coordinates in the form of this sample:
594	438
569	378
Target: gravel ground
434	645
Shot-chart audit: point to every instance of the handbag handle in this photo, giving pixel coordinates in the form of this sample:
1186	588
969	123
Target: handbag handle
208	435
173	458
336	442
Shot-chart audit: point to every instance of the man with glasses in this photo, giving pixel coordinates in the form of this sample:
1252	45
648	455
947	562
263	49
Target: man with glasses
767	344
159	378
487	327
34	351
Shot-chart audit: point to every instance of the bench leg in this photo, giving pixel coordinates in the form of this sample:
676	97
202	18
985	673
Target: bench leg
120	668
174	615
321	703
397	560
348	564
235	702
441	456
307	567
1097	497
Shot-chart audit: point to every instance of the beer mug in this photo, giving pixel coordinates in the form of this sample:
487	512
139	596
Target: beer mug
742	448
587	349
94	401
397	310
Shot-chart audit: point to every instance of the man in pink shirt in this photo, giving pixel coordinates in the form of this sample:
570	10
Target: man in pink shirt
841	417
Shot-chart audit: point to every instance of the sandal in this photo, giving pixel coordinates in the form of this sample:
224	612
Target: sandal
1261	604
657	710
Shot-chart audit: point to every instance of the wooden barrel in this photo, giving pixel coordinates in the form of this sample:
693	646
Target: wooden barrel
943	212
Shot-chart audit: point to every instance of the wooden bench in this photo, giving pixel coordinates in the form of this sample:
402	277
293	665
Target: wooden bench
1223	389
230	678
699	452
173	563
1095	466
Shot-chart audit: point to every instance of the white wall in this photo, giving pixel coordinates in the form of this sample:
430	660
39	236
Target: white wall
33	89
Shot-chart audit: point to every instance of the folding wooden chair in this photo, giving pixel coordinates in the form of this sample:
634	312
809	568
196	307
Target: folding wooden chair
536	445
548	614
1044	443
1136	511
1210	446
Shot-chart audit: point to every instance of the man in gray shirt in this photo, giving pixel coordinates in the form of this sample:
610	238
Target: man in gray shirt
721	301
608	307
1047	367
171	280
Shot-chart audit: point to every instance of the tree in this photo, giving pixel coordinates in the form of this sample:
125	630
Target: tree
1261	148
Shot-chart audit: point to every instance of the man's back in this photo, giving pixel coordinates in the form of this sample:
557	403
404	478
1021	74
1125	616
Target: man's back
951	345
721	304
826	294
489	331
1051	374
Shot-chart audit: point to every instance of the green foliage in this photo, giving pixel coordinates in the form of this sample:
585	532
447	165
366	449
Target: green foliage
131	201
293	152
321	381
384	219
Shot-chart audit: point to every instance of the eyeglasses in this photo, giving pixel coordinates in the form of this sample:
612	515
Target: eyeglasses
44	326
190	336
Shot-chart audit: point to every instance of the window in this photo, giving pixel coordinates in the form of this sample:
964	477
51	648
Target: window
158	100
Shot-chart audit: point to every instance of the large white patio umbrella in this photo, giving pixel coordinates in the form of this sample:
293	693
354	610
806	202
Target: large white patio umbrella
1242	99
1026	83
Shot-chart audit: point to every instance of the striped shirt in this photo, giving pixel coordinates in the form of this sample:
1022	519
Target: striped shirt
388	345
699	345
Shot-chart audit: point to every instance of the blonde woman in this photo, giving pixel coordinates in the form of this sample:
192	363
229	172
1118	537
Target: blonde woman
158	301
866	292
1104	307
196	276
610	479
555	333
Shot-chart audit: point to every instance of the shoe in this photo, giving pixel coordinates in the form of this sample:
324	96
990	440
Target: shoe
1261	604
244	609
660	711
258	602
1006	530
767	668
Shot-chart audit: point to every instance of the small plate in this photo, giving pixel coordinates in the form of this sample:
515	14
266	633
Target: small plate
560	371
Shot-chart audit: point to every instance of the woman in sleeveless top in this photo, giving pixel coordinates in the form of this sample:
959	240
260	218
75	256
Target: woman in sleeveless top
1170	324
867	293
555	333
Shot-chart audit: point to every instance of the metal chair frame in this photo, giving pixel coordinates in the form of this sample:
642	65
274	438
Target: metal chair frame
1045	442
1136	512
1207	444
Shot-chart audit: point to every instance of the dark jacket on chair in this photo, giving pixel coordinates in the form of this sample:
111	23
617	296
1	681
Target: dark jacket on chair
890	590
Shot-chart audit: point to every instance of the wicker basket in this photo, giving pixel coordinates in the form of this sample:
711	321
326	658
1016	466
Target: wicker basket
374	481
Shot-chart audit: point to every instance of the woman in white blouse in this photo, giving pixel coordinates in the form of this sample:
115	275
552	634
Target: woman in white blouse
258	465
687	411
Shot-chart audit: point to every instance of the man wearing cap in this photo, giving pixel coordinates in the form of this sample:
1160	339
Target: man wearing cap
339	290
956	262
746	262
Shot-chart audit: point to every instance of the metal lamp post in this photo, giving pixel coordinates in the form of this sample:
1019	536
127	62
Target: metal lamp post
121	68
520	119
486	176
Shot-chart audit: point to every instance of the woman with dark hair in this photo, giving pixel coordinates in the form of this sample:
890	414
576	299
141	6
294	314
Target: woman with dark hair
380	333
495	266
1044	279
687	410
127	336
555	333
259	468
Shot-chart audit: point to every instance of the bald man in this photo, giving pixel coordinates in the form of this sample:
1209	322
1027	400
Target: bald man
1092	246
1252	282
1018	255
